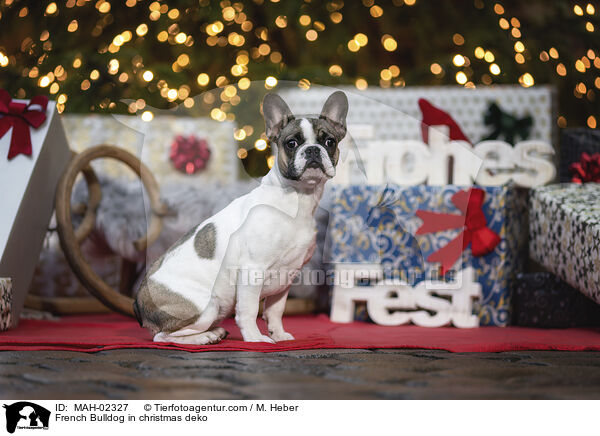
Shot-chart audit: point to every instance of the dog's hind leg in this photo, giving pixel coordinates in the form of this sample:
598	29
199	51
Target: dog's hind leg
201	332
192	337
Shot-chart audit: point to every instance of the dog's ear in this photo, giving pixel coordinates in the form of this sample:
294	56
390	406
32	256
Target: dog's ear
277	114
335	111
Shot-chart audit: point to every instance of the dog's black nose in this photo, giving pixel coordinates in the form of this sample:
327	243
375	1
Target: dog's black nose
312	152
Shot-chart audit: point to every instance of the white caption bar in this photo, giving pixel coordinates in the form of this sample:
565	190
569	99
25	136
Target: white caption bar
304	418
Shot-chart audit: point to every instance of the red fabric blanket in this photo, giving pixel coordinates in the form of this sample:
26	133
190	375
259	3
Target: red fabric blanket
108	332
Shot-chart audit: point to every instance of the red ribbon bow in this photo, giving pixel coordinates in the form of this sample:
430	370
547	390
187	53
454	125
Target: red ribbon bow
20	116
587	169
475	231
189	153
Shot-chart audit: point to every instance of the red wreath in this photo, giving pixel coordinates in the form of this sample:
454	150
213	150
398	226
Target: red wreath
189	154
587	169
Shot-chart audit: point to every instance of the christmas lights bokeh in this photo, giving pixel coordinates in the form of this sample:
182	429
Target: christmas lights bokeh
90	55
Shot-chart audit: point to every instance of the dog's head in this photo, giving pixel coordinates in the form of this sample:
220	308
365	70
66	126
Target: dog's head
307	148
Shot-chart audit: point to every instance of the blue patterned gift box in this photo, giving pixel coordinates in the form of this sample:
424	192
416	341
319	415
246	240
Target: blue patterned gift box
378	224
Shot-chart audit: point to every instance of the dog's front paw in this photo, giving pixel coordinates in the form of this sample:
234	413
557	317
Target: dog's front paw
282	336
258	338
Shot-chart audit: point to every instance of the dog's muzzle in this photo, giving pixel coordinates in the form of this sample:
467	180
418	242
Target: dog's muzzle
313	158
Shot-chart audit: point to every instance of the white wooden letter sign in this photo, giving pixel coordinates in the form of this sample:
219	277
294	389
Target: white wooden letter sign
412	162
428	304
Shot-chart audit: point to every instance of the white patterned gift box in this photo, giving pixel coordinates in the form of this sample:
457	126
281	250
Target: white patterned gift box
378	224
564	228
394	113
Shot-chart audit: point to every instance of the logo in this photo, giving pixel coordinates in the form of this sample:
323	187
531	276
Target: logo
26	415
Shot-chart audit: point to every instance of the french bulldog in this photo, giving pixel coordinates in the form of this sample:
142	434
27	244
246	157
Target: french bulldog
253	248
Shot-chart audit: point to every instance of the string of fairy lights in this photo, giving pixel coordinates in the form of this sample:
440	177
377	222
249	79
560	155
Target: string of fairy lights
251	42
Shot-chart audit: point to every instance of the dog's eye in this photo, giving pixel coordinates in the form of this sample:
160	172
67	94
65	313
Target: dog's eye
292	143
330	142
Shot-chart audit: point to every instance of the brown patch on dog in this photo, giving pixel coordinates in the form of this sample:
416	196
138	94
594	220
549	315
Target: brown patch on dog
205	241
159	309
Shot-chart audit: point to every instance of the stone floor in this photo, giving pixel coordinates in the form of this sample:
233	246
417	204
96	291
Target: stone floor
318	374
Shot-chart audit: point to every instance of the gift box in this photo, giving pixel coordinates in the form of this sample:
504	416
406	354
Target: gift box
564	227
573	143
153	141
543	300
28	185
393	113
391	226
5	303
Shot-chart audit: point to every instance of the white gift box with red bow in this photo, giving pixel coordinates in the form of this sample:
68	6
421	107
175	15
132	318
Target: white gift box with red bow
27	188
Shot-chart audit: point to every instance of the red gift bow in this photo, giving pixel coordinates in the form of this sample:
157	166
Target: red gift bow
475	231
587	169
189	153
20	116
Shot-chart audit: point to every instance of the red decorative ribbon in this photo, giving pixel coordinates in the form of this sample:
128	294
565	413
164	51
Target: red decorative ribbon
587	169
20	116
434	116
475	231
